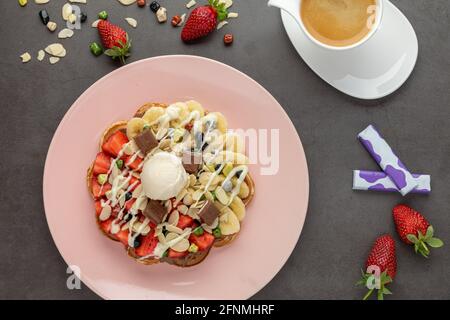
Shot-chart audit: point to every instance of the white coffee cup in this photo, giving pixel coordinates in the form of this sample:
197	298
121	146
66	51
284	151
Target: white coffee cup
293	8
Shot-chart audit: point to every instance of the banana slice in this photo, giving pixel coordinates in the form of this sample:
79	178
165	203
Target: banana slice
153	114
183	114
222	123
229	223
135	127
195	106
234	143
244	191
238	208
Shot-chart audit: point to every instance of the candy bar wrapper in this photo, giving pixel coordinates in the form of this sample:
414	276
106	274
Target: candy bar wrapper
387	160
380	181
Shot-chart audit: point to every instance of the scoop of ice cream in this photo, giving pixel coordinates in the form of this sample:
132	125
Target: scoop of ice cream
163	176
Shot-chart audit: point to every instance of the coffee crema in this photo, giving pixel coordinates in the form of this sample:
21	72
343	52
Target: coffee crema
338	23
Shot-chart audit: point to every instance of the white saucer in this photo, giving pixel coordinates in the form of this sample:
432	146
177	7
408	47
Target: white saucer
371	71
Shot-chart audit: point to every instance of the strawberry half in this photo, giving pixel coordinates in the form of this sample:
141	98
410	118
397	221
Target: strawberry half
115	143
98	190
203	242
101	164
413	228
184	221
148	244
175	254
133	165
115	40
122	235
382	255
203	20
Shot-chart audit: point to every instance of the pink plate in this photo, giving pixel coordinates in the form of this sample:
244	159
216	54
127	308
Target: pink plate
274	218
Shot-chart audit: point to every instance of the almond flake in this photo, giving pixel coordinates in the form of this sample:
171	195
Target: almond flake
132	22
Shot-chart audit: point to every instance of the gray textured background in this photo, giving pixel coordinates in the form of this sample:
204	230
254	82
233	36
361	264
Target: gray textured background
341	224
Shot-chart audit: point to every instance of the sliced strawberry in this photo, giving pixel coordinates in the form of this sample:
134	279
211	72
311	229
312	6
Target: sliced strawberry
129	204
98	190
203	242
132	181
106	225
98	207
174	254
135	164
122	235
101	164
115	143
148	244
184	221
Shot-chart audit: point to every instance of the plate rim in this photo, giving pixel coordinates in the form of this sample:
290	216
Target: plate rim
88	90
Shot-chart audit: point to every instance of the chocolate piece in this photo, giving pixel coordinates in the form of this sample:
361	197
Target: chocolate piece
155	211
209	213
192	161
146	141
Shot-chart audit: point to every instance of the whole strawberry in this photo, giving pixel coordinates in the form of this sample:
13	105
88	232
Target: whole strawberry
381	257
413	228
115	40
203	20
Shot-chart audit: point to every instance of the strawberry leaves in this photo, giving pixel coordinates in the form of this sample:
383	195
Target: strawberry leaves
421	241
369	280
222	12
120	52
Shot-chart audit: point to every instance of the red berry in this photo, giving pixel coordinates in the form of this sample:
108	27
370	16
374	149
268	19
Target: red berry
114	39
115	143
408	221
383	255
228	39
141	3
413	228
202	21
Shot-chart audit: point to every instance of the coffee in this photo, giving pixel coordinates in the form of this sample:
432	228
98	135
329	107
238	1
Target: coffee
338	23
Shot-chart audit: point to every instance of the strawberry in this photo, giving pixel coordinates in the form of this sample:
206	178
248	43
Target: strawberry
148	244
382	255
203	242
135	164
184	221
115	40
106	225
129	204
413	228
101	164
97	190
174	254
115	143
122	235
98	207
132	181
203	20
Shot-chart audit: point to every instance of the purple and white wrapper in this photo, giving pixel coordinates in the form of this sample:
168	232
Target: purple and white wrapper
383	154
380	181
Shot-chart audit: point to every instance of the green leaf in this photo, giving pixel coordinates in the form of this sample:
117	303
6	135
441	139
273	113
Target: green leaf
420	234
361	282
430	232
435	242
412	238
386	291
